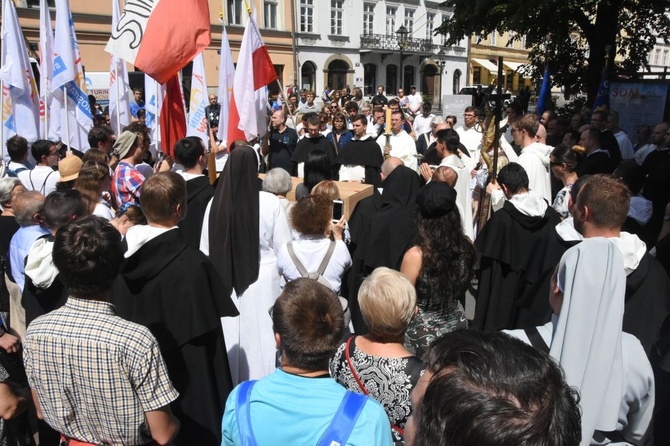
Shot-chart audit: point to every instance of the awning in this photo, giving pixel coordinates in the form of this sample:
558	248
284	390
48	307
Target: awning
514	66
493	68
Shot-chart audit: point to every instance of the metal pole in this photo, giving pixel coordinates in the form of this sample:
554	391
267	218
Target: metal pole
118	102
294	38
496	121
46	111
67	118
402	70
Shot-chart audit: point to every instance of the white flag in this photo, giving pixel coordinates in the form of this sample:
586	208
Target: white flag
119	88
196	124
20	100
46	70
153	102
226	81
69	76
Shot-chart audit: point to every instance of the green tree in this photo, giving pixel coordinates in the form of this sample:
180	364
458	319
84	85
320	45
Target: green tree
574	36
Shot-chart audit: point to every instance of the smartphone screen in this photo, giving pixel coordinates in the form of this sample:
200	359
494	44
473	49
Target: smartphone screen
338	207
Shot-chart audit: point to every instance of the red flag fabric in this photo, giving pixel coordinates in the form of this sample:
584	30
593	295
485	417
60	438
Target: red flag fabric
160	38
172	116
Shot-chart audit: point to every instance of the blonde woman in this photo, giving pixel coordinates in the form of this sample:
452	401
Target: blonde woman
378	364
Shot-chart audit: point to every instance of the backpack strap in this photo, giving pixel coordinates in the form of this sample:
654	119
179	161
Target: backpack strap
298	264
340	428
243	411
536	340
326	259
301	268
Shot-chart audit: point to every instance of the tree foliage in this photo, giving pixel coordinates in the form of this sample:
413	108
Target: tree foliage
574	36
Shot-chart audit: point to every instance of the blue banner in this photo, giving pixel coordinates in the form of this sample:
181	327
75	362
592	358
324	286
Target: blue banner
545	93
602	101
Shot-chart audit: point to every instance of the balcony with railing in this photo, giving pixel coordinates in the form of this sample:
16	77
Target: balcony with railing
383	42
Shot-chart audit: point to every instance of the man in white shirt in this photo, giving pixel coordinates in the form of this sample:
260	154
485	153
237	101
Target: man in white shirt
625	144
415	101
402	145
43	178
643	145
310	105
534	159
470	134
376	123
422	121
657	138
447	147
17	149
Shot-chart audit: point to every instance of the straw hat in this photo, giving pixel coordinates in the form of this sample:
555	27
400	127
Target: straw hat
69	168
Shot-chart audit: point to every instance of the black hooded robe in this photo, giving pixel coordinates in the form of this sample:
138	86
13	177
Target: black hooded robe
365	153
504	247
383	227
172	289
199	192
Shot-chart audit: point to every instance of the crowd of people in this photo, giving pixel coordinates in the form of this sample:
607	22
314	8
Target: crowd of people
149	300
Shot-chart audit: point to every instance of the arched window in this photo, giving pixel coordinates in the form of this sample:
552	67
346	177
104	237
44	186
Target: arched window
409	77
370	79
428	80
391	79
457	81
337	74
308	76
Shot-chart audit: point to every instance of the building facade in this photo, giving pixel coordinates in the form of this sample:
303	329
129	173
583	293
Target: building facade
659	58
484	54
93	20
355	43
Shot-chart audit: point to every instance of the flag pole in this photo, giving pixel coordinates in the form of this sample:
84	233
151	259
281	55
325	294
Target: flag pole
281	90
158	118
46	111
67	118
118	104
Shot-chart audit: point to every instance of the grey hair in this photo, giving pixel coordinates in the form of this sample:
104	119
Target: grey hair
7	185
437	120
277	181
26	205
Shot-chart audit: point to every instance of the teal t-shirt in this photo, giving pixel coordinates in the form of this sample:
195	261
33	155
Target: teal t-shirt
290	409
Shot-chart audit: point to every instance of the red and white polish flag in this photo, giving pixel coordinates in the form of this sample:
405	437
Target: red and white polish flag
255	71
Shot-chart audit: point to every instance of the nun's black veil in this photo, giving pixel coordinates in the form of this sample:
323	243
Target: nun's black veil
233	222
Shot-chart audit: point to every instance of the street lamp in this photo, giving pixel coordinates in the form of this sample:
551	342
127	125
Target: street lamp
402	43
441	60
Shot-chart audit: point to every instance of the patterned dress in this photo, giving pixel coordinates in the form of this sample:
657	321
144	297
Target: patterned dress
430	322
388	380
